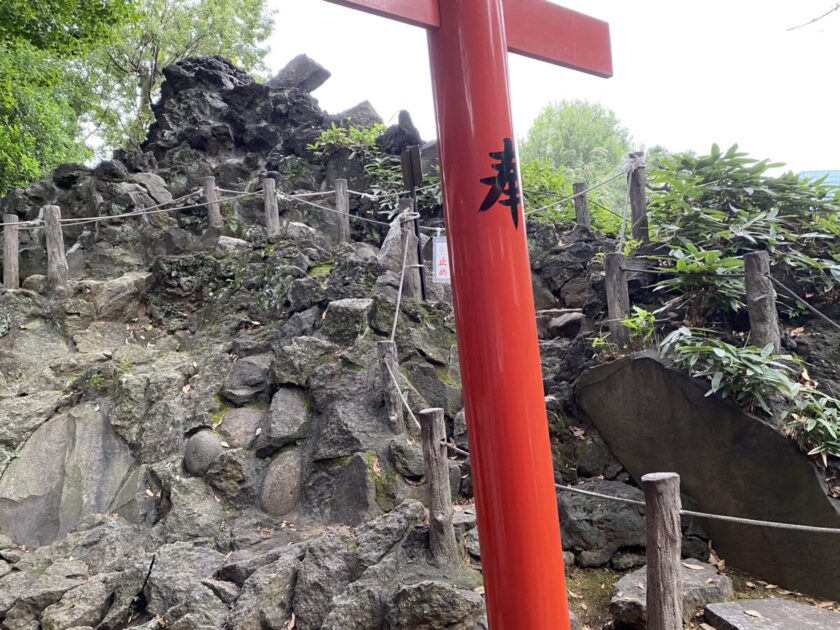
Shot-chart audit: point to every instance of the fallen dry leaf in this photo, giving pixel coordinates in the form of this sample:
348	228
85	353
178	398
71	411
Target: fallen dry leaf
695	567
754	613
290	624
750	585
574	595
479	590
584	606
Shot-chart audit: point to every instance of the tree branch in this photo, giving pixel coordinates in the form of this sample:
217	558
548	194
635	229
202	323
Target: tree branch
817	19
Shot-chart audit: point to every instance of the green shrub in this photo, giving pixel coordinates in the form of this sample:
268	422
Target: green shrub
753	377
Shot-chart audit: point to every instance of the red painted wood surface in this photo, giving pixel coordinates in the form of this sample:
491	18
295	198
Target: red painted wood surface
510	452
551	33
417	12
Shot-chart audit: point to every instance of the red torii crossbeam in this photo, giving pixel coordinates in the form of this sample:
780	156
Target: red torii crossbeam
504	400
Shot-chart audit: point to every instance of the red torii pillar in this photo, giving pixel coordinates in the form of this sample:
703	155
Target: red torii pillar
521	551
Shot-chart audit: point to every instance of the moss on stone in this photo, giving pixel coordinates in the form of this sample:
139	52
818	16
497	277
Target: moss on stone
321	270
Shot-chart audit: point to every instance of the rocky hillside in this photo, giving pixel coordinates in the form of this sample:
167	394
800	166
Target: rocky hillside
196	435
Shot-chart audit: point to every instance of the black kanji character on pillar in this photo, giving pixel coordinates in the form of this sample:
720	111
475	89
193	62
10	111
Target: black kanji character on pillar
505	181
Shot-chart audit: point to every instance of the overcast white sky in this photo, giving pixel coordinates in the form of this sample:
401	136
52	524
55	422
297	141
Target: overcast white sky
686	73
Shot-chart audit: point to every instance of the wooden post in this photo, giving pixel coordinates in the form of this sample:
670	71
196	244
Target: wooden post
664	536
272	213
11	246
57	273
761	301
411	286
638	201
393	403
618	298
214	209
342	205
581	205
436	466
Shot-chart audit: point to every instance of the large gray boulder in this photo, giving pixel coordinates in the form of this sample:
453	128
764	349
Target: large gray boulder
657	419
288	420
267	595
201	451
346	319
302	73
282	484
595	528
247	381
434	605
242	426
327	569
72	466
702	584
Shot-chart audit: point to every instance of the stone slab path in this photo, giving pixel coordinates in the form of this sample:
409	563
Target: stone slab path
770	614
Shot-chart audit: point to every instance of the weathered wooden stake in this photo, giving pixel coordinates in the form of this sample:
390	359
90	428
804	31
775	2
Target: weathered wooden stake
393	403
411	286
664	537
761	301
638	202
618	298
272	212
214	208
581	205
342	204
57	272
436	466
11	245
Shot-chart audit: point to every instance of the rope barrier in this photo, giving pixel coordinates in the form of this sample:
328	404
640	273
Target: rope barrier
281	195
402	396
156	209
393	194
147	210
455	449
716	517
108	217
402	279
570	197
803	302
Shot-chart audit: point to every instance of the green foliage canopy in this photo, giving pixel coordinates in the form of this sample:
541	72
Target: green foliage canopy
41	94
585	138
38	115
714	208
575	141
67	27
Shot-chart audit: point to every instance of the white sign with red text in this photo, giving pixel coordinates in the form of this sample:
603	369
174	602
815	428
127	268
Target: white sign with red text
441	261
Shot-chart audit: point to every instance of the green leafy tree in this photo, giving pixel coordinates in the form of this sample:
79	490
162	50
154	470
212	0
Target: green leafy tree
67	27
128	72
42	96
588	144
39	104
585	138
